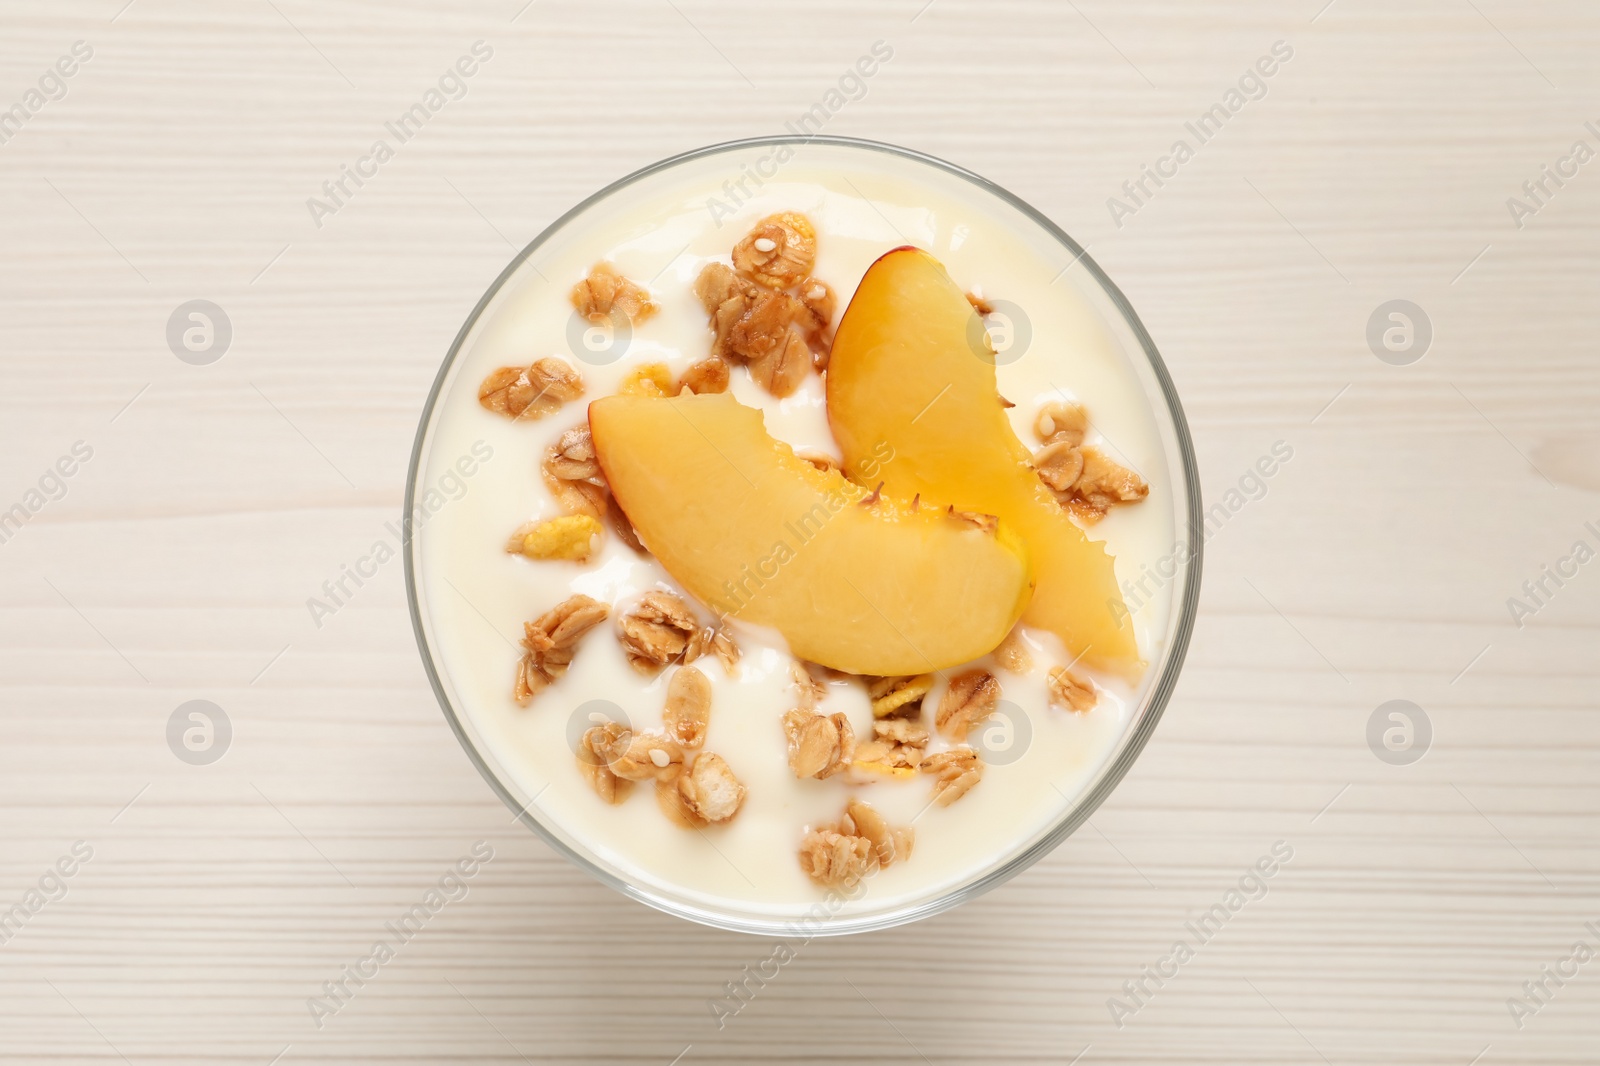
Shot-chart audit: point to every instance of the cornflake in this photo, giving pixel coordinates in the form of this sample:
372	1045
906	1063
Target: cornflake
955	771
898	696
570	537
551	640
533	392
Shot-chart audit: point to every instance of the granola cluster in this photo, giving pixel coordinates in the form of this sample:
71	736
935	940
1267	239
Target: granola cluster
605	293
860	842
550	641
694	788
767	311
533	391
661	628
1086	481
819	745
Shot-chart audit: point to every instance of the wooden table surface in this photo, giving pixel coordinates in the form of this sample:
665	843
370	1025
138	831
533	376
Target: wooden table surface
174	564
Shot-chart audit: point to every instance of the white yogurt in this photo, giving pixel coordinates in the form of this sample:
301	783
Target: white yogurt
475	596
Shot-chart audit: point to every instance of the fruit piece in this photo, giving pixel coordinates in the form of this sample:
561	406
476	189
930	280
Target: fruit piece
911	365
756	532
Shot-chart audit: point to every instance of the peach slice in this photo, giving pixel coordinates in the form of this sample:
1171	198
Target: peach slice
911	365
855	581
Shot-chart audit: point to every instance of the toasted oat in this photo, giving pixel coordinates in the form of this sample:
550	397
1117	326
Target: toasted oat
688	710
897	743
717	284
607	785
987	522
898	696
648	379
532	392
830	857
709	789
1059	465
1061	421
1069	690
779	251
971	697
708	375
660	629
726	650
1103	485
955	771
980	305
571	537
674	806
551	640
889	845
819	746
1013	654
781	369
643	756
605	291
819	301
572	473
810	690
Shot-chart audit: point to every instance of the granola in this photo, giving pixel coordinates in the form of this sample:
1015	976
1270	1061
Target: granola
708	375
1071	691
1061	421
607	785
532	392
809	689
819	746
643	756
1013	655
819	301
779	251
605	291
896	747
971	697
955	771
1059	465
551	640
572	474
571	537
659	630
1103	485
688	710
844	852
726	650
709	789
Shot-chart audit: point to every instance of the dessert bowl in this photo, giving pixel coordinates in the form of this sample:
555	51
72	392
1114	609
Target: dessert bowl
622	295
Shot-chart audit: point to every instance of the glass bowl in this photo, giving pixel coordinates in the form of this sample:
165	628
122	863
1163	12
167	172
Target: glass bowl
720	172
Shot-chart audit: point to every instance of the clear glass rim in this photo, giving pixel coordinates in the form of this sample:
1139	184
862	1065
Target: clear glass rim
1104	782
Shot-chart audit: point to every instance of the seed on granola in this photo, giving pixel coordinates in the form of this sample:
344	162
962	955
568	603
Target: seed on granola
532	392
779	251
710	790
819	746
971	697
898	696
605	290
1069	690
644	755
570	537
818	300
955	771
660	629
592	764
1061	421
1059	465
688	710
708	375
550	641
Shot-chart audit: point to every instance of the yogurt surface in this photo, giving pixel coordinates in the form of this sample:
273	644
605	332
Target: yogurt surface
1054	342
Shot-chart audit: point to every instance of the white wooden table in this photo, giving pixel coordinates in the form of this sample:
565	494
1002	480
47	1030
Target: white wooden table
219	497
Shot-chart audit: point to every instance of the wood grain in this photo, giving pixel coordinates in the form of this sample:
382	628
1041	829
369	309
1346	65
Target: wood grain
219	497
